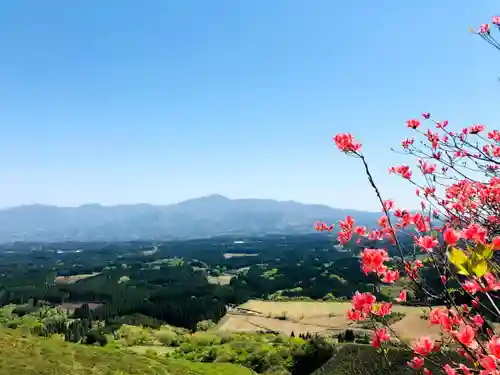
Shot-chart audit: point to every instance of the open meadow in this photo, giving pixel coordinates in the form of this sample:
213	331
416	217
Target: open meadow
324	318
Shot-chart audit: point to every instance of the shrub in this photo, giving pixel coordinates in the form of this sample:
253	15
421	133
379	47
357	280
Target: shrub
95	337
169	338
205	325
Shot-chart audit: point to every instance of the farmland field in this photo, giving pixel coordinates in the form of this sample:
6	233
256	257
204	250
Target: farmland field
325	318
74	278
221	280
239	255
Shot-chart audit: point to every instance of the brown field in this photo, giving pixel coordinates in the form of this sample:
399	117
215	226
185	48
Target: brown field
238	255
221	280
74	278
324	318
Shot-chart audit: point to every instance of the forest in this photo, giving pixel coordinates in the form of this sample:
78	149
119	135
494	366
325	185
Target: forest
182	282
94	293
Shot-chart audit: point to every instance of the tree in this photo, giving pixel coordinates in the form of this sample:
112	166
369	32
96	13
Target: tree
458	233
349	335
83	312
76	331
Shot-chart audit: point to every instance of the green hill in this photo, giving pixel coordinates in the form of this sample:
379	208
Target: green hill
352	359
27	355
358	359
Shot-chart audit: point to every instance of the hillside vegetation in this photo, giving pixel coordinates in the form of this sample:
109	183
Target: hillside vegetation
355	359
27	355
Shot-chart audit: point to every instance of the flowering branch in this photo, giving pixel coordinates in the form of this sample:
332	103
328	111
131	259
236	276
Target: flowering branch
459	186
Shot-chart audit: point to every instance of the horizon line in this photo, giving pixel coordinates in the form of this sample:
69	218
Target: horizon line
215	195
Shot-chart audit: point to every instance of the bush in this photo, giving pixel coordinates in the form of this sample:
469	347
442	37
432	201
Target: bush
23	310
204	339
132	336
169	338
205	325
94	337
260	352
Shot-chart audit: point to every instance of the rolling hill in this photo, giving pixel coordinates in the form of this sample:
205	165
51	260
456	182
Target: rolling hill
195	218
27	355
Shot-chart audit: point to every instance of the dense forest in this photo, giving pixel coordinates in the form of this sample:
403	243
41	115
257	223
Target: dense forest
177	282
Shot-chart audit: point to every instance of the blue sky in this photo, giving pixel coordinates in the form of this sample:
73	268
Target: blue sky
162	100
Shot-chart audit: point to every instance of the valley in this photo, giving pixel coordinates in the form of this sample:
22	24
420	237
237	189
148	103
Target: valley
271	304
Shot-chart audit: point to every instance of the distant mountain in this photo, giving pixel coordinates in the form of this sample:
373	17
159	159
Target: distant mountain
195	218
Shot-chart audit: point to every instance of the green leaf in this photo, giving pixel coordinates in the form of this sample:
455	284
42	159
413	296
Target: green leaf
481	268
485	251
460	260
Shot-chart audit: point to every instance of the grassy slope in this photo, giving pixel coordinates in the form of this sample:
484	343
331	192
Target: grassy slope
38	356
357	359
354	359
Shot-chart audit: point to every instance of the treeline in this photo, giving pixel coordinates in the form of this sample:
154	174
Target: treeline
174	294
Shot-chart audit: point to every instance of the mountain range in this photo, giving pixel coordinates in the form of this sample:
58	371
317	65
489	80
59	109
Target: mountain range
195	218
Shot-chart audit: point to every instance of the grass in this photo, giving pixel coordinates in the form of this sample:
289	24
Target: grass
161	350
357	359
25	355
318	317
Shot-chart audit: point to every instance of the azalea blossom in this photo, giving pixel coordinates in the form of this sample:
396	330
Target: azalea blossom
379	336
475	233
416	363
373	260
466	336
345	142
451	236
382	309
426	243
402	296
423	346
413	123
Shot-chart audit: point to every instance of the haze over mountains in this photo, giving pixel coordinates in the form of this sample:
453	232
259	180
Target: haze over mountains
200	217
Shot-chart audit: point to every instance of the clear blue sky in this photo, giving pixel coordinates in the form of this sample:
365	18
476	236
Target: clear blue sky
161	100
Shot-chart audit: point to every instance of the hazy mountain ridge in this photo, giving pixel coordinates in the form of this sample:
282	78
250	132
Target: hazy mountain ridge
199	217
